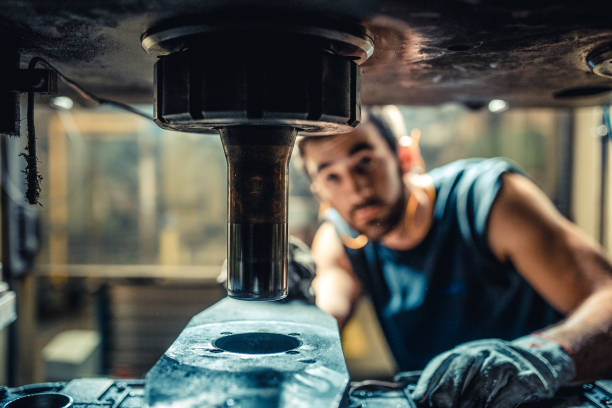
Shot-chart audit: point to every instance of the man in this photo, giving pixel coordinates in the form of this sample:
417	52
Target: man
473	250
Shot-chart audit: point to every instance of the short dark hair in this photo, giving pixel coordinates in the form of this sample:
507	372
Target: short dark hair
372	115
375	117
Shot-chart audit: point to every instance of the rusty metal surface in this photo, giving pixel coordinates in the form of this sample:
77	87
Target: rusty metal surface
529	53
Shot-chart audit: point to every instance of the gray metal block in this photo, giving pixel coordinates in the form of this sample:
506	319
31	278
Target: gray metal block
252	354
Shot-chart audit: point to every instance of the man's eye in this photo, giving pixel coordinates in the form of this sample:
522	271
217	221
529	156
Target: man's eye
332	178
364	164
365	161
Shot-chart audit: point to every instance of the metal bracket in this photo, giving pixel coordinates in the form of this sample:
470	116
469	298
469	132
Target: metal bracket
27	80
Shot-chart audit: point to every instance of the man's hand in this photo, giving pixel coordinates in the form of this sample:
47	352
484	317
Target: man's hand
301	271
494	373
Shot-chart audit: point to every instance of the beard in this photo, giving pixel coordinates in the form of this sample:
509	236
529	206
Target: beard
377	228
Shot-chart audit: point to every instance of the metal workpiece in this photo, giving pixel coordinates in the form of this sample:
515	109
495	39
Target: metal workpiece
81	392
257	177
107	393
264	355
42	400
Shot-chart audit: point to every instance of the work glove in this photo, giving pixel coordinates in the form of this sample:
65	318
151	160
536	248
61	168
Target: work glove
300	272
494	373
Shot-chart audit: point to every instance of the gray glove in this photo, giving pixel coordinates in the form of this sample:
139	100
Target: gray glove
494	373
301	271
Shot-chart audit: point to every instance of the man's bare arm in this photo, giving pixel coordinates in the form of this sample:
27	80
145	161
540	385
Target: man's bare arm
566	267
336	286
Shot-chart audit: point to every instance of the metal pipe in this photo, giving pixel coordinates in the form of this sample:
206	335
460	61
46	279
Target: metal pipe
257	177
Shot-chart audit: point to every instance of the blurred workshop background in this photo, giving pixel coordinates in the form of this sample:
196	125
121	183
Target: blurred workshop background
132	226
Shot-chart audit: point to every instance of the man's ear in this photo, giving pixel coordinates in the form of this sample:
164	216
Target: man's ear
409	153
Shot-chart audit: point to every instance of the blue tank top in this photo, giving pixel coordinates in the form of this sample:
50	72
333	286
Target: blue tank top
450	288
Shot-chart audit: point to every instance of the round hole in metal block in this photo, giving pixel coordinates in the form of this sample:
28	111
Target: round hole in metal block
42	400
257	343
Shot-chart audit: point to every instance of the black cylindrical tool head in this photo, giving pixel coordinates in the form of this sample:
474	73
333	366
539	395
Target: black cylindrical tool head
257	168
259	78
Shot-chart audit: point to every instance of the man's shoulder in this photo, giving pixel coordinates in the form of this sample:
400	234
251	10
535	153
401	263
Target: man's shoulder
471	169
465	193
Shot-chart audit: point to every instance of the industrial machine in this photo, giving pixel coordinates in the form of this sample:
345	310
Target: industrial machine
259	73
269	354
305	79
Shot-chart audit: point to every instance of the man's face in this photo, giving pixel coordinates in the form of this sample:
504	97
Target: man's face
358	175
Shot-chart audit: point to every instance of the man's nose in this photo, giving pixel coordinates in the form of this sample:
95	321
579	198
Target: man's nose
359	186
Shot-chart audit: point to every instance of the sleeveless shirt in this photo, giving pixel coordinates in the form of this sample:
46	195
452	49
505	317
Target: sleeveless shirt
450	288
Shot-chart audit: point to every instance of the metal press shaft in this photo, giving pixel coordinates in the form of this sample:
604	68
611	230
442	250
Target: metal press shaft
257	177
